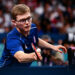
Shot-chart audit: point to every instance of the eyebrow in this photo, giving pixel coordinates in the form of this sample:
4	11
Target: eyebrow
25	18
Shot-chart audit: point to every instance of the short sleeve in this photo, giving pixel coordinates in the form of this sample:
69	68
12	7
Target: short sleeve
14	45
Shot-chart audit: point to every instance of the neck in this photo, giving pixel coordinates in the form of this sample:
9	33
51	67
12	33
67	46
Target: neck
23	32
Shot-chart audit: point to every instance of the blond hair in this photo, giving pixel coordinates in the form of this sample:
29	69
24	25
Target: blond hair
19	9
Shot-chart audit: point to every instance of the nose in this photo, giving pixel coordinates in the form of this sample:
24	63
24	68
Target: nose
27	21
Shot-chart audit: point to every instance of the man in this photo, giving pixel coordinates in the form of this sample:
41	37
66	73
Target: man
18	49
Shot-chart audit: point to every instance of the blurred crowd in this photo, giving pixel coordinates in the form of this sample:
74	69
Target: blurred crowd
55	20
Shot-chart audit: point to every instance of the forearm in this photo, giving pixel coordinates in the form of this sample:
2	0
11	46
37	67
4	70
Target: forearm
24	57
43	43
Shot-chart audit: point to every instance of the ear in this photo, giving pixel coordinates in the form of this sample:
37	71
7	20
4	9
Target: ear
13	22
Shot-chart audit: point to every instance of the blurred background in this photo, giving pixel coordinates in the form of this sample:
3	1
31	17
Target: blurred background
55	20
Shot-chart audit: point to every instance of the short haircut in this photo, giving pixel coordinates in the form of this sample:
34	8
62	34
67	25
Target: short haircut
19	9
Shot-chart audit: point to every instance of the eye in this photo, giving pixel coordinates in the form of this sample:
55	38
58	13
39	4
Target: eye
29	18
23	20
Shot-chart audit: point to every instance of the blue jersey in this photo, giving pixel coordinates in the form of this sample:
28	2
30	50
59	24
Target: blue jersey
15	41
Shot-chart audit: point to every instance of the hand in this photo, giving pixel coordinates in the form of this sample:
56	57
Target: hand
35	56
58	47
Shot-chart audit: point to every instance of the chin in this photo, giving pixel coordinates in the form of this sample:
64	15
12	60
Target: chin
27	29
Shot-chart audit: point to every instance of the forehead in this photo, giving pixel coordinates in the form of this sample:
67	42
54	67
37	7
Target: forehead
23	16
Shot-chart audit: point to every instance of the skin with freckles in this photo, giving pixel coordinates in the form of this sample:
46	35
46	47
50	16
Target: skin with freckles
23	23
22	36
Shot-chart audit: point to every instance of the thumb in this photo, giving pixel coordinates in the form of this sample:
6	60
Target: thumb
59	51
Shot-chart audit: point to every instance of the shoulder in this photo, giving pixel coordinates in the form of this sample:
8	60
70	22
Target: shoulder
33	26
34	29
13	34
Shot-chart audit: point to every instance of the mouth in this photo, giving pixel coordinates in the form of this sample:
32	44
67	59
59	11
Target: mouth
26	26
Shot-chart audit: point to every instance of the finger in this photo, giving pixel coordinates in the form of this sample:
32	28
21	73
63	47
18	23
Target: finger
34	56
39	54
35	51
64	49
40	57
59	51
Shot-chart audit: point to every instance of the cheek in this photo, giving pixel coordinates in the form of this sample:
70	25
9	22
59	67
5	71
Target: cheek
20	26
